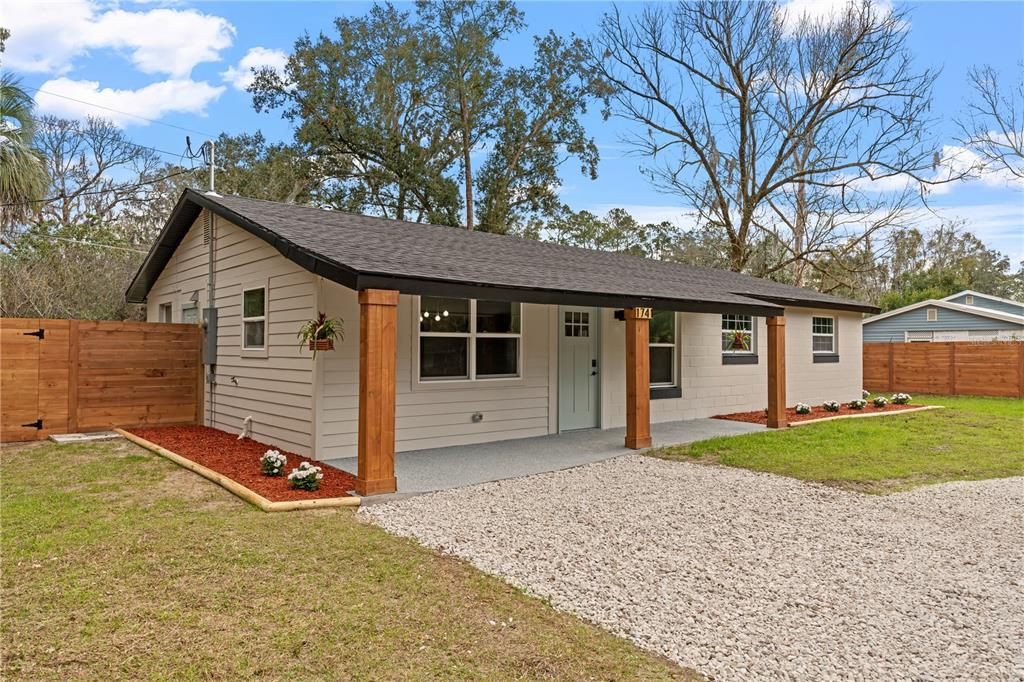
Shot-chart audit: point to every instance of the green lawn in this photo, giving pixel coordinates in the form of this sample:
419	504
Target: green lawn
119	565
973	438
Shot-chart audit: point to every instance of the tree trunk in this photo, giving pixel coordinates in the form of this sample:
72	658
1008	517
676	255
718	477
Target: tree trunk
463	110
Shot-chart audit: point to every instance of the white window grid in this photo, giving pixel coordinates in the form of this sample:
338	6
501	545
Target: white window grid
732	323
675	337
577	323
823	328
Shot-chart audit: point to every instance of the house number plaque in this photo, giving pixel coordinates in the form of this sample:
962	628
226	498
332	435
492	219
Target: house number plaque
642	313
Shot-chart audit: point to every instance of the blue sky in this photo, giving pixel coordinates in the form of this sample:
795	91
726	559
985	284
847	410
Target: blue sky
181	63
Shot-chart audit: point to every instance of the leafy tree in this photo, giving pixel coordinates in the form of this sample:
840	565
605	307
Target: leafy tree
249	166
538	130
23	178
617	231
364	105
464	35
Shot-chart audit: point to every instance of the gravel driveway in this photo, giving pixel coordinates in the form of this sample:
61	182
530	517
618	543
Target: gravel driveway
754	576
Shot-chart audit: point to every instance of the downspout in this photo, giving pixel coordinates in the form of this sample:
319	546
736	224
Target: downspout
210	229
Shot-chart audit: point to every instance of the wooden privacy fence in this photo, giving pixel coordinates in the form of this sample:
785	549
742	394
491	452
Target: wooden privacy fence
61	376
946	368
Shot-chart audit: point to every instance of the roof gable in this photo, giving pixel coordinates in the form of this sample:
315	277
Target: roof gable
942	303
368	252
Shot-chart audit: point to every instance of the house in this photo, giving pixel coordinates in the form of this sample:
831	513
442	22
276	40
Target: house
964	316
455	337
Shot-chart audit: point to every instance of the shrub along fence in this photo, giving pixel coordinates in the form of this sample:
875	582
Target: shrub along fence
994	368
61	376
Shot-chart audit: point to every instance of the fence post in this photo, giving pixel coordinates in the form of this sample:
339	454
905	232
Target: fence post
1020	369
73	376
892	368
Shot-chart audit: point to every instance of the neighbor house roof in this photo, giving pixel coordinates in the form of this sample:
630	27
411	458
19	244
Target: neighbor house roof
363	252
943	303
971	292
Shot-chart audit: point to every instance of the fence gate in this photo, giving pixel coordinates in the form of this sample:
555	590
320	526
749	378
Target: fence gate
19	379
58	376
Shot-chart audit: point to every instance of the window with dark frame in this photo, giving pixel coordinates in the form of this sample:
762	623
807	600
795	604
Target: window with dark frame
468	339
823	335
738	335
662	343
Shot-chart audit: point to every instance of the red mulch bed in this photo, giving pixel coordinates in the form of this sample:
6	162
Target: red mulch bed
817	412
239	460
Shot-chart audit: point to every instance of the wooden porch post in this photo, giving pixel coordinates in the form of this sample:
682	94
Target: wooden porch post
378	313
638	378
776	372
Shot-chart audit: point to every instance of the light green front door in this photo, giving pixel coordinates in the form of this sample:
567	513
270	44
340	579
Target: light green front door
579	377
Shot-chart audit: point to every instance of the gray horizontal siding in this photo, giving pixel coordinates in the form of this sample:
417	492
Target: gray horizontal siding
893	328
982	302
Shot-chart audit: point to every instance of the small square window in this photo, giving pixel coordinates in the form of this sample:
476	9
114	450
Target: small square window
932	315
969	300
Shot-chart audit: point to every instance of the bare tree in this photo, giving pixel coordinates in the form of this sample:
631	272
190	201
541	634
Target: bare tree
993	126
791	136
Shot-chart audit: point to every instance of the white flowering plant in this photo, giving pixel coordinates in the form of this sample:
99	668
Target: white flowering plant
864	393
272	463
306	477
831	405
858	404
880	401
900	398
803	408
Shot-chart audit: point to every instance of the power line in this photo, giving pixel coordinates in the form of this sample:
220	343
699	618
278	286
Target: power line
177	155
103	191
118	111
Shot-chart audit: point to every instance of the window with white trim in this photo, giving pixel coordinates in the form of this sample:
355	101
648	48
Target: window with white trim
166	311
254	318
969	300
932	315
823	335
662	342
468	339
738	335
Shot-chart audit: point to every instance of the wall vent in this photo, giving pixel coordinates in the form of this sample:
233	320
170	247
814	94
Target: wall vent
208	227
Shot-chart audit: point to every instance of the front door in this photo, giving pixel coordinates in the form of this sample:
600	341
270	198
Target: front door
578	371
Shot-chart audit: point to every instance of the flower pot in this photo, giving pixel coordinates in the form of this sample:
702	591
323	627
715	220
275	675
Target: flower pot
321	344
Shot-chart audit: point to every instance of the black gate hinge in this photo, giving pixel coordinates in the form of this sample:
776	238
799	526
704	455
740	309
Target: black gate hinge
37	424
39	332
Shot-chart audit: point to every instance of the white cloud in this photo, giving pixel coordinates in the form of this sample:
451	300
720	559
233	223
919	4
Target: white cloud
823	10
152	101
241	76
48	37
999	225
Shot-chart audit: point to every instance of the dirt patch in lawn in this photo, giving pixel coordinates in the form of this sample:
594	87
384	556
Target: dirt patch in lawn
817	412
239	460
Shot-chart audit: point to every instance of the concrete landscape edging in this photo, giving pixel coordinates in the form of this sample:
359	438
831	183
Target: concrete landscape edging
870	414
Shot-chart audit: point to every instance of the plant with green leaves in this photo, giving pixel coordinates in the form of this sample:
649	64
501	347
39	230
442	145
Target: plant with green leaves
319	329
23	176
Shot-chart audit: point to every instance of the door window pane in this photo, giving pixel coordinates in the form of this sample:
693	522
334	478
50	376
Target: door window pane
577	323
497	317
661	365
497	357
446	315
444	357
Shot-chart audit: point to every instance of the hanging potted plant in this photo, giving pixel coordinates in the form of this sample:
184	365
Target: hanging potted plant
319	334
740	340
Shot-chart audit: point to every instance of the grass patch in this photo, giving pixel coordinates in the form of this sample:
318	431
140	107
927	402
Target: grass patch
973	438
119	565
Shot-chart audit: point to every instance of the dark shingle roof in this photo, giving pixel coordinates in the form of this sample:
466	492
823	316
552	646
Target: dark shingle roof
369	252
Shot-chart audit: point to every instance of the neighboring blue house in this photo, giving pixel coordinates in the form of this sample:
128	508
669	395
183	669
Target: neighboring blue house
965	316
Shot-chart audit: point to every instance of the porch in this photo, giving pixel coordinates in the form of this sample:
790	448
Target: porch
421	471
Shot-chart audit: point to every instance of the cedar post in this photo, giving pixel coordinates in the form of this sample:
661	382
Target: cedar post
638	378
73	376
378	315
776	372
892	367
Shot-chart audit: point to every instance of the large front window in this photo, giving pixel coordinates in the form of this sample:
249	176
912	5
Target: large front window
738	334
663	348
468	339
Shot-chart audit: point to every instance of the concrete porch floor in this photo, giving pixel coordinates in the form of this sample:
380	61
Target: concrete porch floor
421	471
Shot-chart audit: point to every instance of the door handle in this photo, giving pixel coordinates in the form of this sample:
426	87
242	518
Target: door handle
594	373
